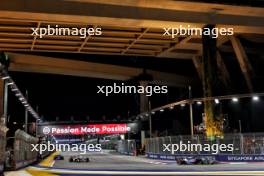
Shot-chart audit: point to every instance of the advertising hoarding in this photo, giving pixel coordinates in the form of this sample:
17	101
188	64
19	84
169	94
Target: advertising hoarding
88	129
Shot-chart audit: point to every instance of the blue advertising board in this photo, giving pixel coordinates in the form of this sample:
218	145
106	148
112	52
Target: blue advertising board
221	158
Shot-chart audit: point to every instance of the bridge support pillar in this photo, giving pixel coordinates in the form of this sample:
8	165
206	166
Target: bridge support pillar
211	86
144	104
3	128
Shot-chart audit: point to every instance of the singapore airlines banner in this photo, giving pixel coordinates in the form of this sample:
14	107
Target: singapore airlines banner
88	129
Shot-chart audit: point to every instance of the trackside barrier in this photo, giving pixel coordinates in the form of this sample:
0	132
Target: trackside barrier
247	147
22	155
126	147
222	158
3	131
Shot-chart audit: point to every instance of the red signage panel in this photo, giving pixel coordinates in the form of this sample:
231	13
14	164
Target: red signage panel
86	129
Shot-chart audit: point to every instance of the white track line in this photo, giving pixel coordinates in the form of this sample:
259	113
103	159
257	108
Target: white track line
64	171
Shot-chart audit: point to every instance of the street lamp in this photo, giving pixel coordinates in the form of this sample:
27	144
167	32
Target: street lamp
199	103
216	101
191	111
18	94
10	83
255	98
235	99
5	77
14	89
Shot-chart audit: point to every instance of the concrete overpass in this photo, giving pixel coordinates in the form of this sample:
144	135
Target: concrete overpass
129	28
51	65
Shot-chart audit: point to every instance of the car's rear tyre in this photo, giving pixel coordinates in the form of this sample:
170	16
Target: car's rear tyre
179	161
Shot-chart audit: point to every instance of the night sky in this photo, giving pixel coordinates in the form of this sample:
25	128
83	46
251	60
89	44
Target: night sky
66	96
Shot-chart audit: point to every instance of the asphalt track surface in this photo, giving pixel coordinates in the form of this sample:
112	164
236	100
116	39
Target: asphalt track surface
114	161
105	163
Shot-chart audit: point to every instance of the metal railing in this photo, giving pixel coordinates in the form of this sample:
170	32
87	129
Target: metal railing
247	143
126	147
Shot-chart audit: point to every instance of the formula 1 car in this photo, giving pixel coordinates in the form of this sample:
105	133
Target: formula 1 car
58	157
79	159
195	160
